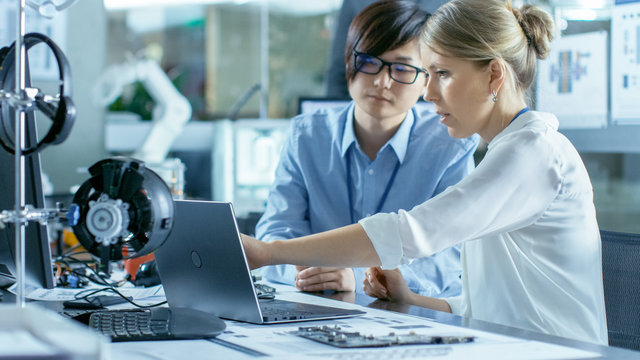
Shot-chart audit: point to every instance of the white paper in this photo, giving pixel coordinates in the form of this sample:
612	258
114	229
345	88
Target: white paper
572	81
176	349
625	63
63	294
277	341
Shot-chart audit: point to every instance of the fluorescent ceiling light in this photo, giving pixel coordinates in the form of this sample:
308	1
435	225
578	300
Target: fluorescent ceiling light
298	7
304	7
130	4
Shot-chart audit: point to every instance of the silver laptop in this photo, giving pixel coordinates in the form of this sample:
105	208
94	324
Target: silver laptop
202	266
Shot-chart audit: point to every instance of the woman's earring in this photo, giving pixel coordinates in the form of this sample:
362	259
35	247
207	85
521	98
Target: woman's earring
495	95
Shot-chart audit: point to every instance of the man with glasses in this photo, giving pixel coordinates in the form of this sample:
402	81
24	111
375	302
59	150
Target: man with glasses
379	154
336	84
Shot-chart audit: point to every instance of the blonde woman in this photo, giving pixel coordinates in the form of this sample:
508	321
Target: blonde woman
525	217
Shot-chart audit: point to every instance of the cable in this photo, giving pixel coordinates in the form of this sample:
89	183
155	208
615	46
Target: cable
100	280
93	276
114	290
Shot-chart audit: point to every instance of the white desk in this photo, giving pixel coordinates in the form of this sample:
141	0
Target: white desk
247	341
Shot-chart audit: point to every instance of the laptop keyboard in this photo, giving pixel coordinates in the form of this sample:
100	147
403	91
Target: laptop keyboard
274	313
282	310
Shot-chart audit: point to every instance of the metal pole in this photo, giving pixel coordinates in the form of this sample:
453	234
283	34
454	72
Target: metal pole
20	82
264	58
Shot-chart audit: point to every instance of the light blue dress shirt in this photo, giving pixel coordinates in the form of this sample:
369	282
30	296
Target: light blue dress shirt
310	193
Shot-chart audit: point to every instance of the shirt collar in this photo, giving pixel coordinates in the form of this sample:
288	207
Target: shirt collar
524	120
399	142
348	137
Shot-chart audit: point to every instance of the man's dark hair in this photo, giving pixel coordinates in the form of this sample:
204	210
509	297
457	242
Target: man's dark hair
383	26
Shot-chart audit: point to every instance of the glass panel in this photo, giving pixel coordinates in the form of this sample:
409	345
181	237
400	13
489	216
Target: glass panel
213	53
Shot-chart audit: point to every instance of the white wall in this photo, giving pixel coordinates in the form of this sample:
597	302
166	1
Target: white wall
86	51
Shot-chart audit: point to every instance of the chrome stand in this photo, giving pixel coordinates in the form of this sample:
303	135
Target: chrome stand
19	159
21	100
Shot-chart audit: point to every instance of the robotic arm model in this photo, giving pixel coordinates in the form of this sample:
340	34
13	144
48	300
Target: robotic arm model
172	110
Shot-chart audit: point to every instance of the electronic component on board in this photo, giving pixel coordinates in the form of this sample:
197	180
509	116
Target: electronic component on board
335	336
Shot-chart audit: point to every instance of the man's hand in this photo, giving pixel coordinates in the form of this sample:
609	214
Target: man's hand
325	278
386	284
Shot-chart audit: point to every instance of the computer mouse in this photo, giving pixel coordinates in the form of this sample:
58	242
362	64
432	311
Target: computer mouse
147	274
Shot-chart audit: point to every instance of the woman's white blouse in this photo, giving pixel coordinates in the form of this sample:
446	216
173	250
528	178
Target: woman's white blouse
531	255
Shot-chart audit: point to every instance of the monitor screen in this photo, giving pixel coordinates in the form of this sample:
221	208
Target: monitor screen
38	269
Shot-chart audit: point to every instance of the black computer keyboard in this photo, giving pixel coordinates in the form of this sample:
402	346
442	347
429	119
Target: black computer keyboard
132	325
155	324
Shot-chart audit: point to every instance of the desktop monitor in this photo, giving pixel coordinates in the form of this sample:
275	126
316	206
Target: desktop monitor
38	268
312	104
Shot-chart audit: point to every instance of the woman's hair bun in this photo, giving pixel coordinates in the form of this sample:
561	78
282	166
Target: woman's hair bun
538	28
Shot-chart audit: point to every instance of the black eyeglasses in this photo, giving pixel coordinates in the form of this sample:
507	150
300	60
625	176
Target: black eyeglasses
372	65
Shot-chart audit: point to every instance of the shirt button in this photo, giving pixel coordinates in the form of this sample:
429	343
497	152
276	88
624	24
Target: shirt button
370	171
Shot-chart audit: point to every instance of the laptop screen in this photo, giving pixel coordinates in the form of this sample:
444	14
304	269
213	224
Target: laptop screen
202	266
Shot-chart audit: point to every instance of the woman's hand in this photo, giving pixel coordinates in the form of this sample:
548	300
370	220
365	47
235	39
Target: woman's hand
387	284
256	251
390	285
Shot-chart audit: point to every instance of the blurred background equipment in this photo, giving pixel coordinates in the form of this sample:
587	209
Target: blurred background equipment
49	8
169	115
245	155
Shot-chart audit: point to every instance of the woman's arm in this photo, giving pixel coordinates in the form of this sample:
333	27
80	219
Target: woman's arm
347	246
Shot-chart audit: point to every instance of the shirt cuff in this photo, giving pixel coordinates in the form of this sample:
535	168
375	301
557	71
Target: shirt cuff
455	303
382	230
